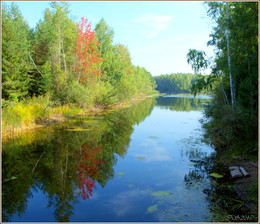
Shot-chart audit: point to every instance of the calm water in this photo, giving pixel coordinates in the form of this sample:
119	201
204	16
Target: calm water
143	163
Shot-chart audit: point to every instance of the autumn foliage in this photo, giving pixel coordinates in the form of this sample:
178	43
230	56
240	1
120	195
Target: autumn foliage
88	169
88	57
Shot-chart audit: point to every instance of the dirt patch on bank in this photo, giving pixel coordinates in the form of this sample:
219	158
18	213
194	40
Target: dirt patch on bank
244	187
243	184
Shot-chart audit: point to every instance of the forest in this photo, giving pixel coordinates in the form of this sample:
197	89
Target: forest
232	124
176	83
63	67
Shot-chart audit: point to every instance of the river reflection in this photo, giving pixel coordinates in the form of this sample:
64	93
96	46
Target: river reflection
65	159
123	165
182	102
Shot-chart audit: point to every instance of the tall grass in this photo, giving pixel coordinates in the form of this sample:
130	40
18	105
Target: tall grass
24	114
65	110
28	113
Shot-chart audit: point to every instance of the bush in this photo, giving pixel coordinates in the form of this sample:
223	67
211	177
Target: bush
107	94
231	130
81	95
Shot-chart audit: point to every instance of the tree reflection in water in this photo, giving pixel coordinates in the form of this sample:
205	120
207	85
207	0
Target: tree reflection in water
59	162
181	103
88	169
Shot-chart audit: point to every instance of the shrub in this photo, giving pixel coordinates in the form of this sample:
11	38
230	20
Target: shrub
230	128
81	95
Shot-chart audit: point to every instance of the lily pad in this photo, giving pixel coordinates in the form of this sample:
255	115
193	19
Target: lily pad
216	175
141	157
152	208
160	193
121	173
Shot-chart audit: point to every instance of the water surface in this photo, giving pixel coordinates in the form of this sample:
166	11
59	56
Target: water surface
142	163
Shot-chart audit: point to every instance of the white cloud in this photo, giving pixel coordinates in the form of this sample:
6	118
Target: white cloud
149	34
125	202
154	24
153	152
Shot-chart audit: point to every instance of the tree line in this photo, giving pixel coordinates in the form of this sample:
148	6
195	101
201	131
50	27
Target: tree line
176	82
72	62
234	108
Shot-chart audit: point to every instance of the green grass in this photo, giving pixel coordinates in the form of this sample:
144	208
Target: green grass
253	192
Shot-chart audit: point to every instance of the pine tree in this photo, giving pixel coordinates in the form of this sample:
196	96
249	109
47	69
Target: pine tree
15	53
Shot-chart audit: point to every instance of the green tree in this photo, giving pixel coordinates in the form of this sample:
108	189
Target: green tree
235	104
54	48
41	40
176	83
198	60
15	53
105	36
243	43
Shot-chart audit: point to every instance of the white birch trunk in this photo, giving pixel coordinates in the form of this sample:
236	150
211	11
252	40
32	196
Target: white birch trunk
232	87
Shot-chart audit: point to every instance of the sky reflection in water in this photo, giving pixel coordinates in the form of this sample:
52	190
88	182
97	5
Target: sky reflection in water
126	165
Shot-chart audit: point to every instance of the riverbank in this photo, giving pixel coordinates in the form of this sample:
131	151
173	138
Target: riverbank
233	136
41	112
243	189
246	187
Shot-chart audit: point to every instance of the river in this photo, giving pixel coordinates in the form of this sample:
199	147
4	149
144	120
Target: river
142	163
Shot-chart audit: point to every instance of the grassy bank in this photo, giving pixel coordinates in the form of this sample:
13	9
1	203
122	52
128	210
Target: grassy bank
41	111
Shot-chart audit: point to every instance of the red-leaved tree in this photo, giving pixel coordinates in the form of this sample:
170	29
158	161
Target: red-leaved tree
88	57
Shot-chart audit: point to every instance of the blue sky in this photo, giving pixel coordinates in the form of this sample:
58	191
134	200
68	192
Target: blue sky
158	34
